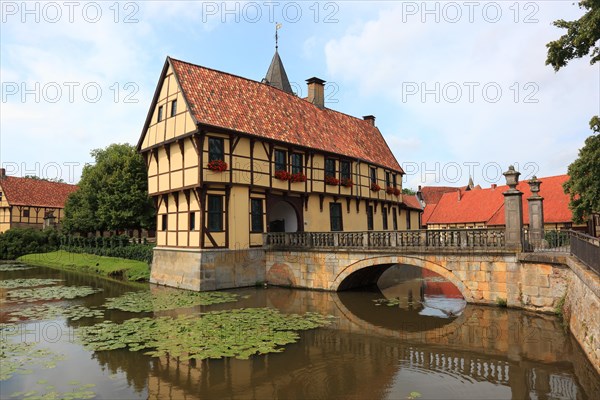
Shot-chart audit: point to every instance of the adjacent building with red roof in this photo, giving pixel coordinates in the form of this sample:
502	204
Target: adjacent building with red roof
29	203
230	158
485	207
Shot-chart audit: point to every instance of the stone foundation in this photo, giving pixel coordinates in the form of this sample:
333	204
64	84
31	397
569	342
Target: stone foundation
196	269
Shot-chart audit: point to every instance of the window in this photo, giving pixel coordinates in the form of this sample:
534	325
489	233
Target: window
280	160
0	196
173	108
373	175
394	180
256	215
160	115
407	219
192	221
385	218
370	218
344	170
26	213
335	216
297	163
329	167
163	224
215	149
388	181
395	218
215	213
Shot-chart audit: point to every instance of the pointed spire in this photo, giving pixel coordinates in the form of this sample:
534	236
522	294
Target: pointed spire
276	75
471	185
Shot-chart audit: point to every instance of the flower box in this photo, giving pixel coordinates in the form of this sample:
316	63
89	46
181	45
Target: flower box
346	182
375	187
298	177
332	180
217	165
389	190
283	175
397	192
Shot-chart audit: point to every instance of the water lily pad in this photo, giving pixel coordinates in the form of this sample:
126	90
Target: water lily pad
146	301
234	333
20	357
32	282
14	267
49	311
52	293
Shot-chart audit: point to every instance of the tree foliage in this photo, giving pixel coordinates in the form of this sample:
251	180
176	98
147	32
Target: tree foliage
581	37
113	193
408	191
583	186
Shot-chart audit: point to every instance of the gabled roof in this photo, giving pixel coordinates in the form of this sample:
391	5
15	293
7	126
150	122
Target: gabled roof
411	201
35	192
219	99
487	205
433	194
276	75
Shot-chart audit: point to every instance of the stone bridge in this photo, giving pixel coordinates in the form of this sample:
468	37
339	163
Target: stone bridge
477	261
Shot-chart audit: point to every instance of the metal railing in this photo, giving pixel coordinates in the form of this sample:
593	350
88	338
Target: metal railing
557	241
587	249
444	239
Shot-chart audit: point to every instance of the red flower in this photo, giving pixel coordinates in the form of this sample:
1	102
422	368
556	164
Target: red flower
396	192
332	180
298	177
217	165
283	175
346	182
389	190
375	187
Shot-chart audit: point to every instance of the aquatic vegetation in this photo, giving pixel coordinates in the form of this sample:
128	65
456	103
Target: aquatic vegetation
52	293
20	357
413	395
236	333
81	391
14	267
31	282
388	302
48	311
162	300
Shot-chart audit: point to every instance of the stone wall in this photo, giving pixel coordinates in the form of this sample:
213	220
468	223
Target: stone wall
582	309
207	269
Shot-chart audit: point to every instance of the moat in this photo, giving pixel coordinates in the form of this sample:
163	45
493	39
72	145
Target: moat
411	337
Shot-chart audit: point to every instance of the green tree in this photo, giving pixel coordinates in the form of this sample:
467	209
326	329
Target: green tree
113	193
583	186
581	37
408	191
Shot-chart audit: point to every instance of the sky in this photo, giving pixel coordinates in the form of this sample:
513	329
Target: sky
458	89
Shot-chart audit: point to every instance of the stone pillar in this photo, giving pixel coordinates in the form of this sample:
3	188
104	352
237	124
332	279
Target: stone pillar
536	212
513	211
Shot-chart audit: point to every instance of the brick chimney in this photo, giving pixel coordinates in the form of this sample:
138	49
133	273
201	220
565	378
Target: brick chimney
459	194
370	119
2	173
316	91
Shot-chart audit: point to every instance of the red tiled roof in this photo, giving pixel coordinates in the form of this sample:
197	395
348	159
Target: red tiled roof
35	192
433	194
487	205
411	201
227	101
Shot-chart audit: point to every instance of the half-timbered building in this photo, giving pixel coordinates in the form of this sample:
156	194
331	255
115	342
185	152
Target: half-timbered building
31	203
231	158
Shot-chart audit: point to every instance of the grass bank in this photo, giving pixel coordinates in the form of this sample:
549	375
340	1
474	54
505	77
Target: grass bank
130	270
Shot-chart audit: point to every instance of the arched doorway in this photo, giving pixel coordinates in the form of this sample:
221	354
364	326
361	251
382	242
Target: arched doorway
282	217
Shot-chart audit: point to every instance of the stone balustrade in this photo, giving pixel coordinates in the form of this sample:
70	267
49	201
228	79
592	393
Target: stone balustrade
421	240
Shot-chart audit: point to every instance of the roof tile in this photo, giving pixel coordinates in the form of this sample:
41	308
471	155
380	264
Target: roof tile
35	192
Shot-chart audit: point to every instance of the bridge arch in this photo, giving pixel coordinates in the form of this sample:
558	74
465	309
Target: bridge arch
372	268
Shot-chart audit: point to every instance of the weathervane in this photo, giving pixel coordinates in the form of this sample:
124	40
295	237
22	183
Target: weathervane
277	27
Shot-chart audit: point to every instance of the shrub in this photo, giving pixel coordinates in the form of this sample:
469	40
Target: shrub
114	246
18	241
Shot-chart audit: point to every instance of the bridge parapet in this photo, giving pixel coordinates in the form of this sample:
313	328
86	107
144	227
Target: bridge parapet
418	240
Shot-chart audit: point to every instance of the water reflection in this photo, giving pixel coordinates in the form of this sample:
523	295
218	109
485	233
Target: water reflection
370	351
